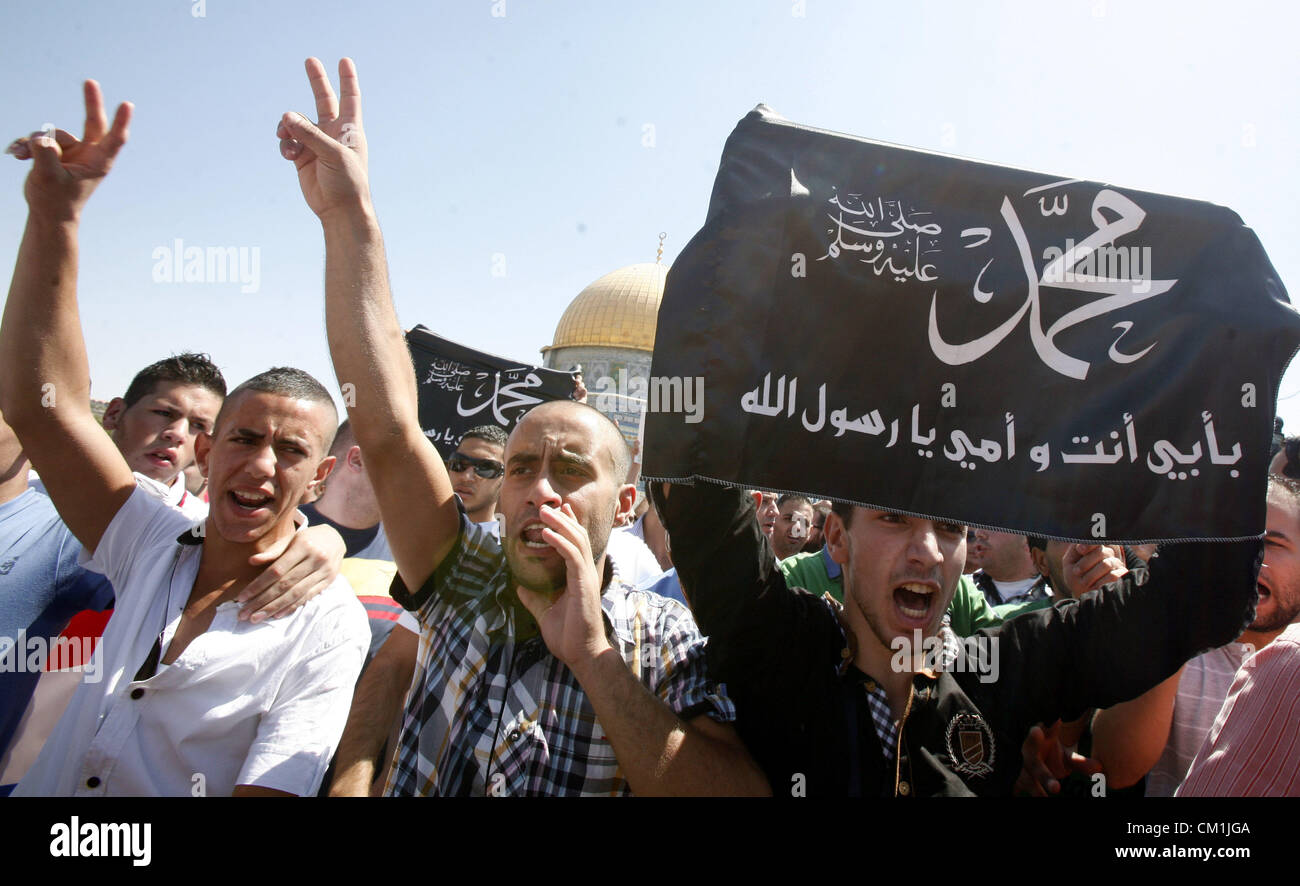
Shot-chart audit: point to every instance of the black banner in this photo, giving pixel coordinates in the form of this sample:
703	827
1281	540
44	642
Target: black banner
949	338
461	388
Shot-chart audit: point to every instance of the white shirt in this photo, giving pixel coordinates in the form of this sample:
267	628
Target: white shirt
1010	591
636	561
175	495
260	704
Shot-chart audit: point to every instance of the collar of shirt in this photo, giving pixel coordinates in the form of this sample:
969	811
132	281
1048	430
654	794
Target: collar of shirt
176	492
1040	590
832	568
882	716
1037	590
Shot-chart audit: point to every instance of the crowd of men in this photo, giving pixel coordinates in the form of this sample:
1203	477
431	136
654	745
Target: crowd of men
341	610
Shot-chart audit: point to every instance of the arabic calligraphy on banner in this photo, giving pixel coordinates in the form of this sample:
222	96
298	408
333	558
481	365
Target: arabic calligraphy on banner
460	388
1163	458
885	231
950	338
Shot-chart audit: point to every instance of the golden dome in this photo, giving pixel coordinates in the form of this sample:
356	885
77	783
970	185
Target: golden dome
619	310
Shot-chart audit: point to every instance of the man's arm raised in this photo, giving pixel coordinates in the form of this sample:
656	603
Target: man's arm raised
366	341
44	376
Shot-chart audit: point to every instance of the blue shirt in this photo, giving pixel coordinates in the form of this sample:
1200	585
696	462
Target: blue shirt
41	588
666	585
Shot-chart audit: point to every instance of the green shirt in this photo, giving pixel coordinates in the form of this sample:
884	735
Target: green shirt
970	611
1011	610
816	573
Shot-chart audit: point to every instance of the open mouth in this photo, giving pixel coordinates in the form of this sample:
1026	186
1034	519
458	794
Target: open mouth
162	459
914	600
248	502
532	536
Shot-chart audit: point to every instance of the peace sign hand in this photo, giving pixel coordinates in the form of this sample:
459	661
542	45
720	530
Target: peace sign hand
330	155
66	170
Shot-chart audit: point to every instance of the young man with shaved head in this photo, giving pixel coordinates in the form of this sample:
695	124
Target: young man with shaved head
540	671
155	425
191	697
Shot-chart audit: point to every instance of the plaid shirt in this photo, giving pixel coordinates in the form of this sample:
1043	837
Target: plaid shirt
882	715
492	712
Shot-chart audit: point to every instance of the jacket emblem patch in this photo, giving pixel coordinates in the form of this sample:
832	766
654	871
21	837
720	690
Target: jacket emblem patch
974	752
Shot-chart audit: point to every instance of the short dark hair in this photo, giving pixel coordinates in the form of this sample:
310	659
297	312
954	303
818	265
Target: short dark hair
285	381
344	439
494	434
1036	541
185	369
844	512
1291	468
1288	485
795	497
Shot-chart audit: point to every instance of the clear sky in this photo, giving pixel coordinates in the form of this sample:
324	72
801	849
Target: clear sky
557	140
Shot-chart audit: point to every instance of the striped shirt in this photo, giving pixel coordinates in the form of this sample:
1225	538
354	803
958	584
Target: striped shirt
1253	749
492	712
1202	688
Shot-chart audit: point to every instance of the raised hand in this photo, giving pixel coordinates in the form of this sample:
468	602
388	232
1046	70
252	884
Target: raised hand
571	621
1044	761
1088	567
330	155
66	170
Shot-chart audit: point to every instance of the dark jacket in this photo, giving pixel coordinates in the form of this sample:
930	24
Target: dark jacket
801	707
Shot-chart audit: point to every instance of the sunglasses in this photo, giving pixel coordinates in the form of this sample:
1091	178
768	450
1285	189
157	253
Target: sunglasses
484	467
